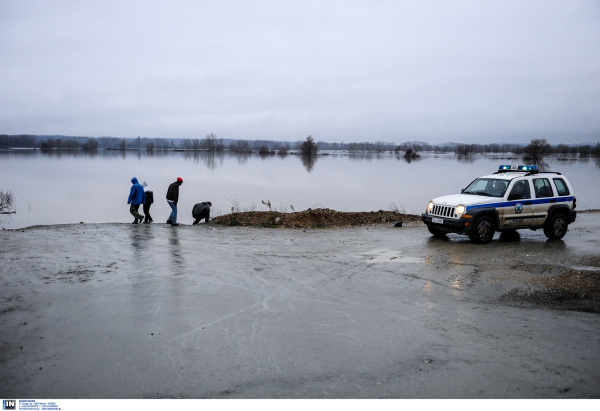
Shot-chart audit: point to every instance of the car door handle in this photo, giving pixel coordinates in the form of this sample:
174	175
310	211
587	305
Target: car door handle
527	203
553	201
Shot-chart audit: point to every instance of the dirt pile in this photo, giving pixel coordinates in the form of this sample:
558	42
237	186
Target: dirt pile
317	218
571	289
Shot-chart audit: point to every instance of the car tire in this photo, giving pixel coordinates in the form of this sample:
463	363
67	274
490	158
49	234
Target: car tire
556	228
436	232
482	231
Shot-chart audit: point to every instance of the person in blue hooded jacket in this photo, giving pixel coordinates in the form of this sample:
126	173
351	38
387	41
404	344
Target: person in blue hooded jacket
136	197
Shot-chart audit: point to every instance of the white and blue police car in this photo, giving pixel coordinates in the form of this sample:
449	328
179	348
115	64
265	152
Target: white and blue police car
514	197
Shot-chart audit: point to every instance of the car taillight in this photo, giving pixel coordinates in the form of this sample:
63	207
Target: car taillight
574	203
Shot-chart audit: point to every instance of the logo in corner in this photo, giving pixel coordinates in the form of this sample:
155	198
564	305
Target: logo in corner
9	404
518	208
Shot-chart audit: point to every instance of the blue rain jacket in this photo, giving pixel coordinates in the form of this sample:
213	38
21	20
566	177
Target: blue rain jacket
136	195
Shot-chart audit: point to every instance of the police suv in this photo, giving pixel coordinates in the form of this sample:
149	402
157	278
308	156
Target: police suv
514	197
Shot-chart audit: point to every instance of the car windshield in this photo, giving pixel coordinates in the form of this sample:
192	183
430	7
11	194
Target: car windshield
490	187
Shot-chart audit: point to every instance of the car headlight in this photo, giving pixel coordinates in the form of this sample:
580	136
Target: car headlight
460	209
430	206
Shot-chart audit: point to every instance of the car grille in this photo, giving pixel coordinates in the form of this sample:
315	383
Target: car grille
442	211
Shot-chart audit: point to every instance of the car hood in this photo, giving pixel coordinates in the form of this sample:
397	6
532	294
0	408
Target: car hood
464	199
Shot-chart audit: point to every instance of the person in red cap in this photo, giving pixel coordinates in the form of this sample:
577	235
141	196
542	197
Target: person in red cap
172	198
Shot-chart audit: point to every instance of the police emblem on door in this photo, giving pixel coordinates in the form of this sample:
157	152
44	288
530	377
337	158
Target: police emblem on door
518	208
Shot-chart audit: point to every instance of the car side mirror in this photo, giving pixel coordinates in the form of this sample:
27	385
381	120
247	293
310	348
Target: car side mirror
462	190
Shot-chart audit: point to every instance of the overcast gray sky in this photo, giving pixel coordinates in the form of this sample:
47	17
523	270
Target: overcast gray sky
464	71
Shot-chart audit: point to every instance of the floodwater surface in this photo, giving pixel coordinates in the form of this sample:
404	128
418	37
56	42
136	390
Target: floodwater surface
71	187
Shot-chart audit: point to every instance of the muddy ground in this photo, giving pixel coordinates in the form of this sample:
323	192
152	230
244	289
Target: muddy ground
211	311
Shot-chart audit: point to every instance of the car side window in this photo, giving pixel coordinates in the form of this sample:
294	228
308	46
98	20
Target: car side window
520	190
561	187
542	188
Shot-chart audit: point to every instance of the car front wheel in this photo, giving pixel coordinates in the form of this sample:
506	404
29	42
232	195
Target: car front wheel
557	228
482	231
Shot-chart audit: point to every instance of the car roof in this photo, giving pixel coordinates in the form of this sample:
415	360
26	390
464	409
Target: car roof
512	175
504	176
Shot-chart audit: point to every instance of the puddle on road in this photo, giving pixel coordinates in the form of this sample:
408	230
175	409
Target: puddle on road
390	256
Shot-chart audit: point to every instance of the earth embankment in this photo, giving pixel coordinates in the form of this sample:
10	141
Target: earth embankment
313	218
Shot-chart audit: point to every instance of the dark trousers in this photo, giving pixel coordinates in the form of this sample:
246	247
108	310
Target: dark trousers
147	216
198	218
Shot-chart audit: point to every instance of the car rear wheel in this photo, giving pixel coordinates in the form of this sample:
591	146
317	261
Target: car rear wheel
557	228
436	232
482	231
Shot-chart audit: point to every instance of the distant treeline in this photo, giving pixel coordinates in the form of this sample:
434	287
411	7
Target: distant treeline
212	143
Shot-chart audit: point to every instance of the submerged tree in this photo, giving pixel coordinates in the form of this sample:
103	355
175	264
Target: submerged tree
264	150
7	203
309	147
537	150
90	145
465	149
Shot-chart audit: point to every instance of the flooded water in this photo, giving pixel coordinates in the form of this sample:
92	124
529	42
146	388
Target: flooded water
71	187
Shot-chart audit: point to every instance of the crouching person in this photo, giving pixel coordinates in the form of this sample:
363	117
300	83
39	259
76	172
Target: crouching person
201	211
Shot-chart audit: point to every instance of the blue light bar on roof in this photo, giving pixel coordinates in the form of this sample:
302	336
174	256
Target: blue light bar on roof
528	168
505	167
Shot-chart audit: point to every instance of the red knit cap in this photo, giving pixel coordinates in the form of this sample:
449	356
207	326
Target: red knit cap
179	179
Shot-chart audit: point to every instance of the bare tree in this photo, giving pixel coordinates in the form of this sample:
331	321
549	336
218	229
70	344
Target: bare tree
209	142
537	150
7	202
195	144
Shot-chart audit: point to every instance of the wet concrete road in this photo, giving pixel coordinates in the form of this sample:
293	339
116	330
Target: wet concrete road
150	311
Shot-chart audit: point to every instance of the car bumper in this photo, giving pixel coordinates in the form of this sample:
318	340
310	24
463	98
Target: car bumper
573	216
451	225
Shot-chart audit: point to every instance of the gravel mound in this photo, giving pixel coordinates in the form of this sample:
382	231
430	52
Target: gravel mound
317	218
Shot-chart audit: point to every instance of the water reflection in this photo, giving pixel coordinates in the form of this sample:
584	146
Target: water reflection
308	161
465	159
542	165
68	153
408	158
175	254
209	158
360	156
555	245
140	236
242	158
264	156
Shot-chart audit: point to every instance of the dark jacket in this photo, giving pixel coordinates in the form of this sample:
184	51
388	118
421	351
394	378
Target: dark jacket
136	194
200	211
173	193
149	197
